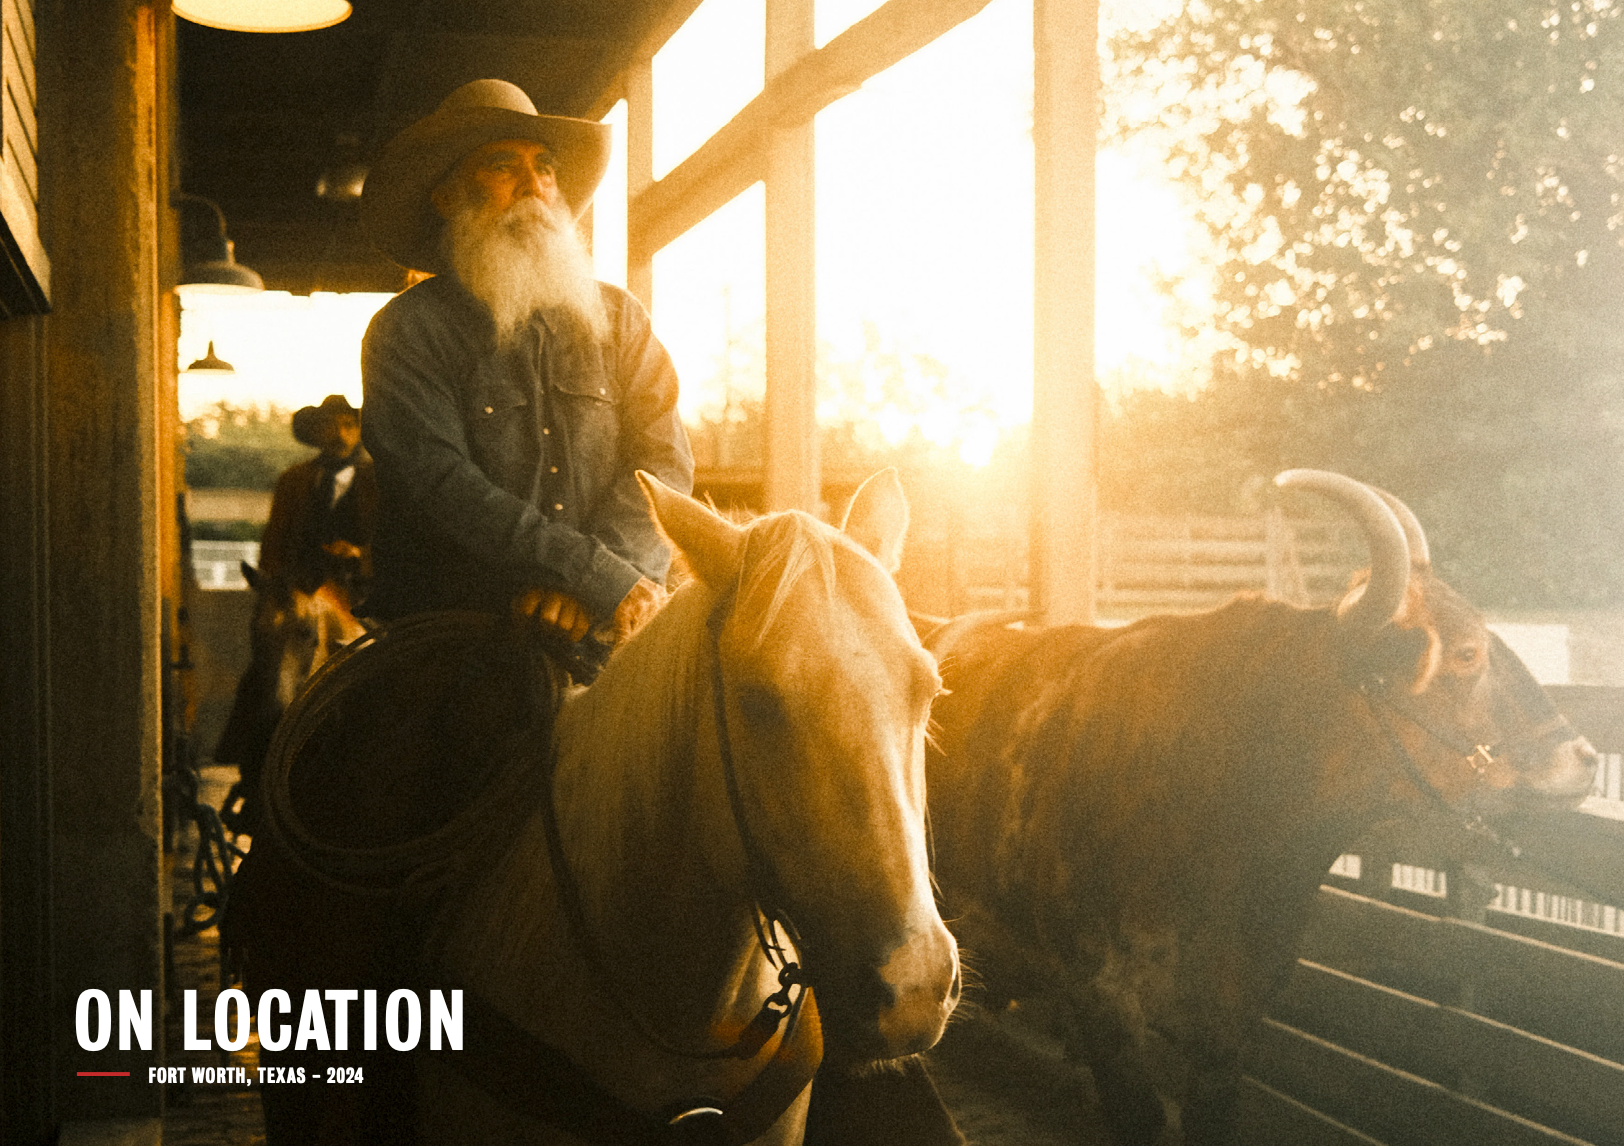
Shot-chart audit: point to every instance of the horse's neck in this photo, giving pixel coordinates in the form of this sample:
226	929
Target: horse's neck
629	822
627	751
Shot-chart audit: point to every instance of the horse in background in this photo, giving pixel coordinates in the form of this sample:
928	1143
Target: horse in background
292	633
724	878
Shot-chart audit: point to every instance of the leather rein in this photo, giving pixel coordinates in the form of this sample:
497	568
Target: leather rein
705	1119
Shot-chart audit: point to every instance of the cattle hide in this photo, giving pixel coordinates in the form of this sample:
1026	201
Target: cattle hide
1131	824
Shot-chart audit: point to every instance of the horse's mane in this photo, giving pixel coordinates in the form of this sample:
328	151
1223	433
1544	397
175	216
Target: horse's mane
626	744
631	734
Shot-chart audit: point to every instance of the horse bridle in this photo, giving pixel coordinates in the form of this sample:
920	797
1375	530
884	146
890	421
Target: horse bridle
782	1007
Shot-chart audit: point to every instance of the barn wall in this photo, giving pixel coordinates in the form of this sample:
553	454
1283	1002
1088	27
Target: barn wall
25	888
81	900
25	271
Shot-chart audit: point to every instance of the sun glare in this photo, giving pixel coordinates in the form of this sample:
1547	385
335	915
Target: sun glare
924	244
286	350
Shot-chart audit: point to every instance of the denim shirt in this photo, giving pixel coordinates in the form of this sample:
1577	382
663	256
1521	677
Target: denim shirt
504	470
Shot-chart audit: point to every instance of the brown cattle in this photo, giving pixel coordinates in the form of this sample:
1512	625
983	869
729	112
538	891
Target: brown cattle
1132	823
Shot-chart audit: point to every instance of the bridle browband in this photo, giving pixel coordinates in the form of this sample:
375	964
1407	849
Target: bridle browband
782	1007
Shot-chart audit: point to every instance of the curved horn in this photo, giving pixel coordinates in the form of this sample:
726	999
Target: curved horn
1420	554
1389	552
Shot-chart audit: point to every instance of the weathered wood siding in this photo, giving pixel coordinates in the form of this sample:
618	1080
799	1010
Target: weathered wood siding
25	275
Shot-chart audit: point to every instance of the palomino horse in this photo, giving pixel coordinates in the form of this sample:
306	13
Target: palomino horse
292	634
757	750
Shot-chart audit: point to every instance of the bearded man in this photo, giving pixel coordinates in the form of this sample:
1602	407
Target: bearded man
510	398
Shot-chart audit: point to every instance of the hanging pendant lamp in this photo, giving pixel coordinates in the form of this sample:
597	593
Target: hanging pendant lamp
217	271
263	15
209	364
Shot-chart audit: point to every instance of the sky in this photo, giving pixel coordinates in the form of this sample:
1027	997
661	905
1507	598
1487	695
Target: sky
924	234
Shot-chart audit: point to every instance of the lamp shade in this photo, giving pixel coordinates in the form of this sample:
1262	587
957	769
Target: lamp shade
212	267
219	276
263	15
209	364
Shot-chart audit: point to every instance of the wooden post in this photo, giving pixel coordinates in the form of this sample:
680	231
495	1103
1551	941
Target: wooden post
792	479
102	94
1065	394
639	86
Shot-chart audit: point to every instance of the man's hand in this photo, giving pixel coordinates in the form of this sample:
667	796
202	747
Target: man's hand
342	549
637	607
554	610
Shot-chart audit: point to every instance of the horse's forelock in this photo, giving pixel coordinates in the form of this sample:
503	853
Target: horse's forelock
779	551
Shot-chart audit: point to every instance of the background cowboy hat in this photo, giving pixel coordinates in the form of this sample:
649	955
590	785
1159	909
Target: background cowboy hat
395	207
310	421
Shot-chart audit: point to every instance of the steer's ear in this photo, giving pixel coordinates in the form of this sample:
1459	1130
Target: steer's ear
712	544
877	518
1406	658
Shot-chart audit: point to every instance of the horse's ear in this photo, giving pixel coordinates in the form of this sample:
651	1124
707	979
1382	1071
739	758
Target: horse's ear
877	518
713	545
249	574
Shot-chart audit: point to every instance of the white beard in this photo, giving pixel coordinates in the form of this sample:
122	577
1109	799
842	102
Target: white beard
526	259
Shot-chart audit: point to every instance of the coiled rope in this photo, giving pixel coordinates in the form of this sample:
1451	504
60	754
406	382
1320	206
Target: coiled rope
363	775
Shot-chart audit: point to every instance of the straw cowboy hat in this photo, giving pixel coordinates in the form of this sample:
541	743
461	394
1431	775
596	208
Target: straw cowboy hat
395	207
310	421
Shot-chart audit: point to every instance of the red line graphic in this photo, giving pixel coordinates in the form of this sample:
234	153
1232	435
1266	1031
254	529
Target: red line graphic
104	1074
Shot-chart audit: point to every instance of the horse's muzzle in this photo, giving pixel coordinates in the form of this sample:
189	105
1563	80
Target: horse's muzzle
891	1009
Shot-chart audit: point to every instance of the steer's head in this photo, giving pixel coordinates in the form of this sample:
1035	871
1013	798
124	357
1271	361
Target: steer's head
1453	705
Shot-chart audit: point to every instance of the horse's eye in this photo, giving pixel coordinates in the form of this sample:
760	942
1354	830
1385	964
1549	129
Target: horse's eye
762	709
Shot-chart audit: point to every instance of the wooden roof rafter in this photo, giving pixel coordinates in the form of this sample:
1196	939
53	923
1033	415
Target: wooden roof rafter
734	158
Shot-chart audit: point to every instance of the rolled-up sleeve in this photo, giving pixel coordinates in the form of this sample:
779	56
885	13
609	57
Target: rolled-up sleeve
652	438
413	427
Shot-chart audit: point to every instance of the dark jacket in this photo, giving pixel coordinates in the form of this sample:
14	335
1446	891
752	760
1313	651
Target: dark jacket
503	471
305	517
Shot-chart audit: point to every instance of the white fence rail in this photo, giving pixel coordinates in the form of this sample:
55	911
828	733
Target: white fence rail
219	563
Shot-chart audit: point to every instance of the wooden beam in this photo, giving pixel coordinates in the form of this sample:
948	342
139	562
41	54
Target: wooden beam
612	73
791	478
1065	394
638	84
735	156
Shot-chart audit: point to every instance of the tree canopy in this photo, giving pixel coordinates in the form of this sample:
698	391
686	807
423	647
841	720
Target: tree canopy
240	447
1415	208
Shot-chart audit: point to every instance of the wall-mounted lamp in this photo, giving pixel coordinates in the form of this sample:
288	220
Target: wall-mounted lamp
263	15
209	364
218	271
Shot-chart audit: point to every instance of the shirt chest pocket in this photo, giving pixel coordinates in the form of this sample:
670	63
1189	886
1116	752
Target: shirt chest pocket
587	411
501	432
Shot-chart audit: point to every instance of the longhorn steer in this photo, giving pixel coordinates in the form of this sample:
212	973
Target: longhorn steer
1135	821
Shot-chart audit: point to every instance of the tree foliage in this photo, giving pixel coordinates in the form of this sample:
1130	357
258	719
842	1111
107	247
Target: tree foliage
240	447
1417	209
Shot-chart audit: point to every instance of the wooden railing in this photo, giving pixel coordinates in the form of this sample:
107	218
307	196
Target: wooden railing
1145	564
1453	991
1168	563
